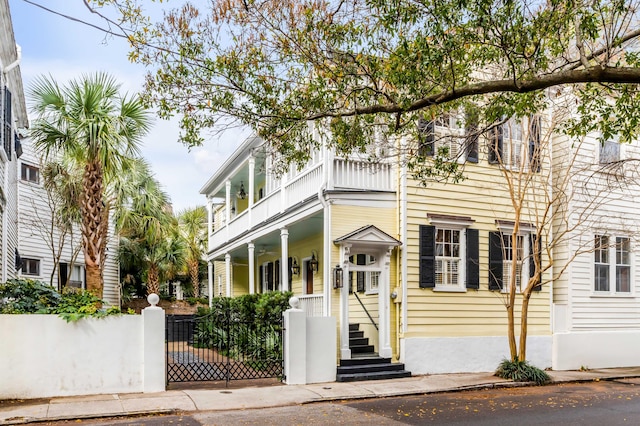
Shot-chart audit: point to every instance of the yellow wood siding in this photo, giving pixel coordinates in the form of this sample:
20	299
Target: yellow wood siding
482	197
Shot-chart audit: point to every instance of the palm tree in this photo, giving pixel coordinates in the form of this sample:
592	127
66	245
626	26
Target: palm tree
89	121
147	227
193	223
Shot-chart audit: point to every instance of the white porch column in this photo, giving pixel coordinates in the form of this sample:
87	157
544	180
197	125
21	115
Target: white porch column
252	269
384	334
209	222
228	204
210	276
345	352
227	266
284	262
252	166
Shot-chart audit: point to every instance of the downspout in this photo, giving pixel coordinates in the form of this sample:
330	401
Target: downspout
5	71
404	255
326	244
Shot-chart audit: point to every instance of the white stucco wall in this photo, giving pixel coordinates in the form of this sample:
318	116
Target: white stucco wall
44	356
596	349
441	355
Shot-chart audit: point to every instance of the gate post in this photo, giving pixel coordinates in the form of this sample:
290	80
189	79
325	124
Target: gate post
295	344
153	324
309	347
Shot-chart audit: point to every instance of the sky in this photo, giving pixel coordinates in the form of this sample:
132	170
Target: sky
64	49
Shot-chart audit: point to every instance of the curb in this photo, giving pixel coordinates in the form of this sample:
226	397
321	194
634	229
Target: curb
27	420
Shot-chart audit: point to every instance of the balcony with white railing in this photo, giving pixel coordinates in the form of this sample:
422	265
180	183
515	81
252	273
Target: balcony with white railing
299	185
311	304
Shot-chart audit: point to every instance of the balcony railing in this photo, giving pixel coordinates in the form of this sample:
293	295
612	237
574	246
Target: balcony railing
311	304
346	174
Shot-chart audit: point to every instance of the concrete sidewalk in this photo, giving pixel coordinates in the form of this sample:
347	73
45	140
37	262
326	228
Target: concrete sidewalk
192	400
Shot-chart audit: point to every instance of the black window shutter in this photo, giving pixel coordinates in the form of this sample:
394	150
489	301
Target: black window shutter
350	282
471	138
473	260
427	256
427	137
534	143
535	246
278	278
495	260
290	265
495	144
261	276
8	140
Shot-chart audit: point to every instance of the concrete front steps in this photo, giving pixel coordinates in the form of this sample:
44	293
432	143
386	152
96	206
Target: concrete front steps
358	369
365	364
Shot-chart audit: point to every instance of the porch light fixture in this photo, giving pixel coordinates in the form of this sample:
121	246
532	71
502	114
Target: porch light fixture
242	194
337	277
314	262
295	268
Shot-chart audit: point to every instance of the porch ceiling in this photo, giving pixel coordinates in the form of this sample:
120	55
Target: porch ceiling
298	231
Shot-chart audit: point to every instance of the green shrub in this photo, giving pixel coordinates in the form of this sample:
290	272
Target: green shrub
25	296
256	333
521	371
197	301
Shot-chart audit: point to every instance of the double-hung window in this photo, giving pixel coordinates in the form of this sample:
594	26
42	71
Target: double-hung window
507	255
609	151
30	266
448	243
449	254
30	173
612	260
515	144
512	252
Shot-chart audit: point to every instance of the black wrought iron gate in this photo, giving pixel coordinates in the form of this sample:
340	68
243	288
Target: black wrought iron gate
218	347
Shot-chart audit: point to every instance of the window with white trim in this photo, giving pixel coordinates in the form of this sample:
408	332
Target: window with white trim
366	281
507	261
30	266
448	249
515	144
609	151
30	173
449	254
612	260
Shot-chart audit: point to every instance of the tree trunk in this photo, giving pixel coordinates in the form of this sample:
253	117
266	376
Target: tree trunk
93	226
524	326
195	279
93	276
153	280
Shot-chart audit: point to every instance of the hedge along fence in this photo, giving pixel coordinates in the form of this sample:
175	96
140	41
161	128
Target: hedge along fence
248	326
46	356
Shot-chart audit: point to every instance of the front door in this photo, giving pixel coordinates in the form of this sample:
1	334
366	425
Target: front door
309	283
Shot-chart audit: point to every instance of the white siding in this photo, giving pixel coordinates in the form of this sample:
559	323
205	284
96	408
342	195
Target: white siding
604	203
39	240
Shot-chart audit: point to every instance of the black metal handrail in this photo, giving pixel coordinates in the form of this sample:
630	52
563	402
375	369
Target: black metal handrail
365	310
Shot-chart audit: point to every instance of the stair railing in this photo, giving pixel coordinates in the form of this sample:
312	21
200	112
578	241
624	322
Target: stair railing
365	310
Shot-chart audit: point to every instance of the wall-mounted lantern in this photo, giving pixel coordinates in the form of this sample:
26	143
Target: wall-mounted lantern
242	194
295	268
337	277
314	262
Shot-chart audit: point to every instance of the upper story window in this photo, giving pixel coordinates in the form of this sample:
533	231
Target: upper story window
609	151
451	132
516	144
30	173
612	258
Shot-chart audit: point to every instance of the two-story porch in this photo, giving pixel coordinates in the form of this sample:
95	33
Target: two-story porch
281	233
